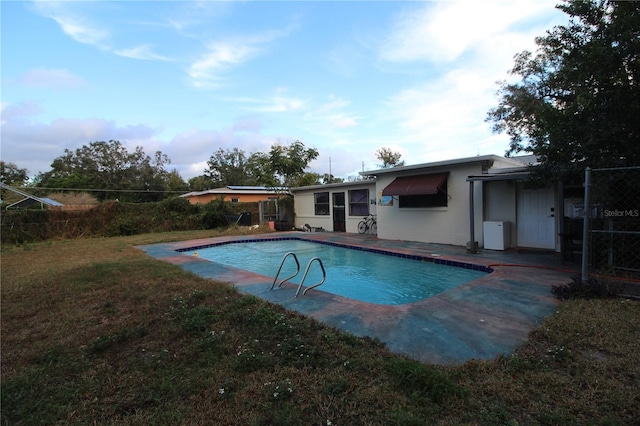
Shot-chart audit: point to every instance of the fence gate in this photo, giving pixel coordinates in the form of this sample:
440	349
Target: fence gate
268	211
612	222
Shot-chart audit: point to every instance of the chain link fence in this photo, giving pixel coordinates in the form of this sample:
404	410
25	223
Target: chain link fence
612	223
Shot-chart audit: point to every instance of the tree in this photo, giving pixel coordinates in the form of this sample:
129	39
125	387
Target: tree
175	183
230	167
308	179
287	164
150	173
389	158
11	174
200	183
329	178
283	166
578	99
110	171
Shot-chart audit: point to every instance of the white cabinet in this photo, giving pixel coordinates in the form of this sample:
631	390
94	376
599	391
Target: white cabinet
497	235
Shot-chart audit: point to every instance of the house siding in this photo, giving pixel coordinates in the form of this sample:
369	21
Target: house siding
304	203
495	200
443	225
242	198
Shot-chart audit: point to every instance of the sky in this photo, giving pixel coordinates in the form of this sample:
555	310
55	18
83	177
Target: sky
188	78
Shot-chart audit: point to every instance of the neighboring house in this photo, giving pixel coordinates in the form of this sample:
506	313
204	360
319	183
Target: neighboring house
234	194
445	202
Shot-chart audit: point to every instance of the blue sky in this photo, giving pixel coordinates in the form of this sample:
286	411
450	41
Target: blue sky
189	78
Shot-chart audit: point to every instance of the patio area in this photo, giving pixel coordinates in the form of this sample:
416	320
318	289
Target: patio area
482	319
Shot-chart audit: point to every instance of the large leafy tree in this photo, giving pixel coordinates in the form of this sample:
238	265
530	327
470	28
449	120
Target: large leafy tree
175	183
200	183
285	165
230	167
108	170
577	101
389	158
11	174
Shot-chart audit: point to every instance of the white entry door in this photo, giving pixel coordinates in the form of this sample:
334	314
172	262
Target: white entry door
536	222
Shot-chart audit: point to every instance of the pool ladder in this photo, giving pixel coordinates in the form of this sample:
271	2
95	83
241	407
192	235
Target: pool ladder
304	276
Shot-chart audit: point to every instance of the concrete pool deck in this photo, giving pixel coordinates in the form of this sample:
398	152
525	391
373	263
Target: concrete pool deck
482	319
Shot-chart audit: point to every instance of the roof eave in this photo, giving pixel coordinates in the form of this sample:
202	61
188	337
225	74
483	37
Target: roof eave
444	163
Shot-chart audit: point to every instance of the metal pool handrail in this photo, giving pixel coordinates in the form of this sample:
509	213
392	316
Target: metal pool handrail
324	276
280	268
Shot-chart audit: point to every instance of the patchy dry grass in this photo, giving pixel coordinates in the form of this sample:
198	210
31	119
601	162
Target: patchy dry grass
96	331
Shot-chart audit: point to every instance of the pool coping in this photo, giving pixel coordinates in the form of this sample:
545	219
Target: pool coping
482	319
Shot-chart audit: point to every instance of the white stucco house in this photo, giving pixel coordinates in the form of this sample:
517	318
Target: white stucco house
475	202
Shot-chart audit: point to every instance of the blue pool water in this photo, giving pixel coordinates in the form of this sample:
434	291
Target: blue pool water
355	274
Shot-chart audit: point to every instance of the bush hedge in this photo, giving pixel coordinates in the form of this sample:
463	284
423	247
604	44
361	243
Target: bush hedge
112	218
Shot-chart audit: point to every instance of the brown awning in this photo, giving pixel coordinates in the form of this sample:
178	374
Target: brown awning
416	185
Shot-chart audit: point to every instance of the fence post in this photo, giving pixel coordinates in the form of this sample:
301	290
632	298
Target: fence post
586	225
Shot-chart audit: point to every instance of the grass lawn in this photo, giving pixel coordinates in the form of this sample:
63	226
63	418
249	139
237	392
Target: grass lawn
95	331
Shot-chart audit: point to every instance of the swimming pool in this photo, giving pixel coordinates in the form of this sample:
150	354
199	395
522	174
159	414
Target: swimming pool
372	276
482	319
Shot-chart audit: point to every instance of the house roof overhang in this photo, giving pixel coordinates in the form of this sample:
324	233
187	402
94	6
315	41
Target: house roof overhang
515	173
237	190
326	186
487	162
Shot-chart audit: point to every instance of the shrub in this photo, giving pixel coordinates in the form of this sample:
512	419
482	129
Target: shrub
177	205
112	218
589	289
214	214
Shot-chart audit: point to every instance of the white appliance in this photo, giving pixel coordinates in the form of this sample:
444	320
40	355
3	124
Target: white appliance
497	235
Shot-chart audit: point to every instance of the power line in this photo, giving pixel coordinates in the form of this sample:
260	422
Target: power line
145	191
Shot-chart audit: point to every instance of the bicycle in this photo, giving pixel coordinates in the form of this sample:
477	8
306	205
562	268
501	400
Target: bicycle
368	224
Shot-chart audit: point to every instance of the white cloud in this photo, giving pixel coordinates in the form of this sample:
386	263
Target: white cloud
443	31
144	52
205	72
444	118
73	23
81	32
223	55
